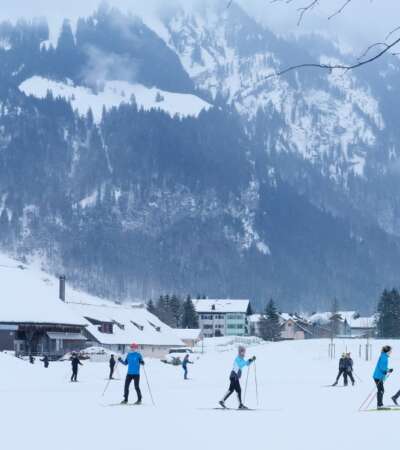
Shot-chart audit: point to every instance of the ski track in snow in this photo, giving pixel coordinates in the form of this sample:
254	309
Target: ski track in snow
295	411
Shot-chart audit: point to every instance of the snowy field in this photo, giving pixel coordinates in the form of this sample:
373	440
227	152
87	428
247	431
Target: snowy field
41	409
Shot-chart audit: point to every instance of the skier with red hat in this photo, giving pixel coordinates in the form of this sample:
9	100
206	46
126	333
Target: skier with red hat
133	360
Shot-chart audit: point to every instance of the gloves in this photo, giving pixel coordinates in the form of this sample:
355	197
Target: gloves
390	370
252	359
120	359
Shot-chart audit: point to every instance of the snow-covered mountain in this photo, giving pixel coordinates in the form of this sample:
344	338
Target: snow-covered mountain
147	157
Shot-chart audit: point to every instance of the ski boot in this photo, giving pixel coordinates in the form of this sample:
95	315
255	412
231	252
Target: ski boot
222	404
394	399
138	402
124	402
241	406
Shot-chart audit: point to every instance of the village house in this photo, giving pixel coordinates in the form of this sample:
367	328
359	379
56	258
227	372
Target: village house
38	315
223	317
33	318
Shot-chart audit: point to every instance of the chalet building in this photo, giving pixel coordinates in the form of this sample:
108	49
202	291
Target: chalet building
344	324
223	317
293	326
115	326
33	319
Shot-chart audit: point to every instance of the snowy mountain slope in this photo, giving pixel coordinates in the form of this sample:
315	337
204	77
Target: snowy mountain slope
333	121
113	94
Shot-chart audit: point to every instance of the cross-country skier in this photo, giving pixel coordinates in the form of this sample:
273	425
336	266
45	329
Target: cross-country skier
75	362
381	372
45	361
31	359
133	360
348	369
342	370
234	379
185	362
112	365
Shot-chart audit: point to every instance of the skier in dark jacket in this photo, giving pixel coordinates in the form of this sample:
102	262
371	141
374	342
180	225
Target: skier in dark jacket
381	372
112	365
45	361
234	378
348	367
185	362
31	359
133	360
75	363
342	370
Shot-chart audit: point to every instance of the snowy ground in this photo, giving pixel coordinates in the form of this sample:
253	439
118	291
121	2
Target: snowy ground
41	409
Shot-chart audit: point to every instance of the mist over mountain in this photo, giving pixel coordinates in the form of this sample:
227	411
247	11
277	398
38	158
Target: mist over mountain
142	157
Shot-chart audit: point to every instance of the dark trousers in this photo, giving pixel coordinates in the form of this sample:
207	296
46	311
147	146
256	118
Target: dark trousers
350	375
111	372
344	373
185	372
74	376
234	386
136	380
380	392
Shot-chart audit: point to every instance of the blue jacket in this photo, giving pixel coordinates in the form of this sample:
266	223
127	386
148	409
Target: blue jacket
381	368
238	364
133	361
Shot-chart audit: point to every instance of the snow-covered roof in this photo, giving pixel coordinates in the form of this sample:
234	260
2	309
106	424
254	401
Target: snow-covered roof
132	323
363	322
221	305
29	295
188	333
324	317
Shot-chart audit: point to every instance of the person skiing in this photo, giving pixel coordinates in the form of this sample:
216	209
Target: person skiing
75	362
234	378
31	359
133	360
185	363
45	361
342	370
112	363
381	372
348	367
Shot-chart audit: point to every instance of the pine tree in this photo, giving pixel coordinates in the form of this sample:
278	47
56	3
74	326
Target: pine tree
175	310
389	314
189	316
151	308
269	323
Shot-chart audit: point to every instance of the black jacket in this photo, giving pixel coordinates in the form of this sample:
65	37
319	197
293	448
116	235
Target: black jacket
75	362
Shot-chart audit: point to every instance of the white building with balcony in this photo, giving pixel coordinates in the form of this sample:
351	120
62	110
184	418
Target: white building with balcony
223	317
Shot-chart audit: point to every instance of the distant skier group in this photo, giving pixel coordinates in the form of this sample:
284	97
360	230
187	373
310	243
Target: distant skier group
345	369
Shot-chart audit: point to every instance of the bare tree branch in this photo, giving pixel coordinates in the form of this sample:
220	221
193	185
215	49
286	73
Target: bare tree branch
340	10
331	67
367	50
306	9
391	32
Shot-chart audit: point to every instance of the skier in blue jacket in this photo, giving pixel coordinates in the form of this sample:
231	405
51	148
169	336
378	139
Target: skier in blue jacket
380	373
234	379
133	360
185	363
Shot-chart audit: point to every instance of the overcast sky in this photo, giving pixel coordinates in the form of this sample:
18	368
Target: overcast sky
362	22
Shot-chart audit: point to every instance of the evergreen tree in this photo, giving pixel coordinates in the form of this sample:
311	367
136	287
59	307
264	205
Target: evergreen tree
389	314
151	308
270	329
175	310
189	315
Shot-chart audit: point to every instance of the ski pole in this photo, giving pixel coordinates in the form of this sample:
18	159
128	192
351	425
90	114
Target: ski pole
109	381
148	386
366	400
358	378
255	380
245	386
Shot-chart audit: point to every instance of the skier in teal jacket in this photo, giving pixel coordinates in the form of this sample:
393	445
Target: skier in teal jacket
133	360
234	378
380	373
